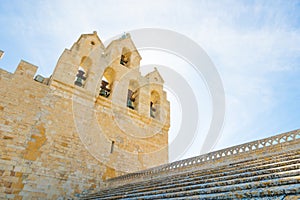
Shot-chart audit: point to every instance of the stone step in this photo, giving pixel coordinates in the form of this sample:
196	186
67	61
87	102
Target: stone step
296	172
273	193
239	178
147	186
244	190
195	174
216	185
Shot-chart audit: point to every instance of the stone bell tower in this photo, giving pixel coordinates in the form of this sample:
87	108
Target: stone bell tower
96	117
121	116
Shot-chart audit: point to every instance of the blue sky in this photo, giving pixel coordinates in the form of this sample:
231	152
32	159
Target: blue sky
253	44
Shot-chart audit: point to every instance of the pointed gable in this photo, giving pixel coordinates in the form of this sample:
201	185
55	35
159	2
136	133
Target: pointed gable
124	41
90	39
155	76
124	48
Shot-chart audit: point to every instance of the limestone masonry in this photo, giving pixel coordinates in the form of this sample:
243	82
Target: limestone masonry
263	169
96	117
98	129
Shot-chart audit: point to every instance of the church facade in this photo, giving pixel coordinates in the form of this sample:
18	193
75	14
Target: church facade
96	117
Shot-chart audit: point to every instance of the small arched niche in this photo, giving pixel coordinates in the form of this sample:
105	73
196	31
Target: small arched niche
125	57
83	69
107	82
133	95
155	105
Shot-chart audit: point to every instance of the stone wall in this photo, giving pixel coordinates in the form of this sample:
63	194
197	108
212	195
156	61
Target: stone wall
58	139
41	154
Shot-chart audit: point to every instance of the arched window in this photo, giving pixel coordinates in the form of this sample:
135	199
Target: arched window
132	95
107	82
125	57
82	72
80	77
154	105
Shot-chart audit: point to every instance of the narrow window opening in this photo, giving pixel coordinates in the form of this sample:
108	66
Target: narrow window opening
152	110
112	146
155	105
80	77
124	60
125	57
107	82
133	95
130	99
104	91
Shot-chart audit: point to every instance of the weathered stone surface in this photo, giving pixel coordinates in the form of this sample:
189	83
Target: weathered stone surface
75	133
59	138
263	169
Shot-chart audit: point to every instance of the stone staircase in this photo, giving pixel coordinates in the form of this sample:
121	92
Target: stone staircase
271	171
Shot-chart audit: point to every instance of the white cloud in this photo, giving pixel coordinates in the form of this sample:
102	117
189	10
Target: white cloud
254	45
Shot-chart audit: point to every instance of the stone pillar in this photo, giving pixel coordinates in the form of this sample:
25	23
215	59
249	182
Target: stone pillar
119	94
144	101
26	69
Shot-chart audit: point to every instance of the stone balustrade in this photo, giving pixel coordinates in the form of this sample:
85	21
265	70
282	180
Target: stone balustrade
283	141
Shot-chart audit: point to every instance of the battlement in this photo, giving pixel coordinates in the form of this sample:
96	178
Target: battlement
91	70
96	117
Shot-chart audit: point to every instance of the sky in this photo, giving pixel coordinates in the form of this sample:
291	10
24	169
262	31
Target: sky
254	46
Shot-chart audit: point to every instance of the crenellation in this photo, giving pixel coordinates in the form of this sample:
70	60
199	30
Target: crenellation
56	132
97	123
26	69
